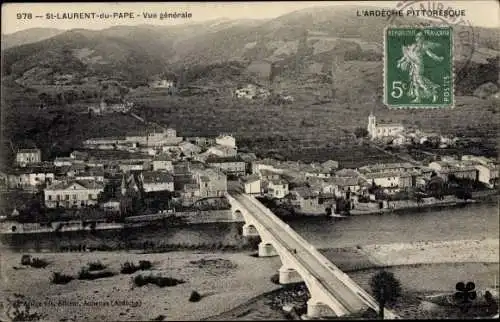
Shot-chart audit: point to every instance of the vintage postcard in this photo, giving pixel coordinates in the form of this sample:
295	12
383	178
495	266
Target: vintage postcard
173	161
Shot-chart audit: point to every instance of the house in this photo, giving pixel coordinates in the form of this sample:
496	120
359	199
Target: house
157	181
189	149
211	182
341	187
155	138
163	162
330	165
268	175
30	180
28	156
112	206
315	171
306	200
488	169
251	184
377	131
229	165
90	174
162	83
248	92
266	164
63	161
458	169
226	140
383	179
223	151
248	158
201	141
131	165
251	91
77	155
72	193
277	188
394	175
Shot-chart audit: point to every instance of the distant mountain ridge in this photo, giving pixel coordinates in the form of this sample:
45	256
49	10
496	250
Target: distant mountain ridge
313	41
28	36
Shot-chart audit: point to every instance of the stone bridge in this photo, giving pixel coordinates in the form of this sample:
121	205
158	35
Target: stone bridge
333	293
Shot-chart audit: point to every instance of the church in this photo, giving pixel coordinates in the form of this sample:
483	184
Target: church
377	131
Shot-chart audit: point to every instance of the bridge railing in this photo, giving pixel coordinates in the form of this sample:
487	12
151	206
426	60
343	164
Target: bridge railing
320	257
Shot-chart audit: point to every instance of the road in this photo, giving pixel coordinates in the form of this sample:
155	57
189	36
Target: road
325	275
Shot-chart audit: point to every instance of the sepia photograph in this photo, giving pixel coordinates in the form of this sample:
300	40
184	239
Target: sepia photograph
222	161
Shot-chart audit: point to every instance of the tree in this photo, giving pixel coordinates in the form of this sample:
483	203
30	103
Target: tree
361	132
386	288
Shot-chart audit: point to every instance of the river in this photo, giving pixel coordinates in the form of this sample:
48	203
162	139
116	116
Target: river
469	222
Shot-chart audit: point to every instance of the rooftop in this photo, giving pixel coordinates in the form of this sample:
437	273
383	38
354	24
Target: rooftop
163	157
266	172
29	151
346	181
86	184
216	159
387	166
390	125
250	178
278	182
157	177
347	173
305	192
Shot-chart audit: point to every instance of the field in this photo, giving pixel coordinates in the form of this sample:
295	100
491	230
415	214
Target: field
308	129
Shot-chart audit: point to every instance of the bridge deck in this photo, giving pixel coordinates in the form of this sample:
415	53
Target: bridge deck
331	278
349	299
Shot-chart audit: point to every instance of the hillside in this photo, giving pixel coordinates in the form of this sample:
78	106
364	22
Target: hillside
312	41
28	36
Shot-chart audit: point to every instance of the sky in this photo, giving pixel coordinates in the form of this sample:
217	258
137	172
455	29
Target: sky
483	13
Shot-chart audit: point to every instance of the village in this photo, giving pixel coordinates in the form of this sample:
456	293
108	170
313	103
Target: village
158	172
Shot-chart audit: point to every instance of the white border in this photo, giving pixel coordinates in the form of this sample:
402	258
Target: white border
453	71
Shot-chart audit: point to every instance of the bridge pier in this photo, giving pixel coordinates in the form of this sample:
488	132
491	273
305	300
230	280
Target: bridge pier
249	230
315	309
267	250
289	275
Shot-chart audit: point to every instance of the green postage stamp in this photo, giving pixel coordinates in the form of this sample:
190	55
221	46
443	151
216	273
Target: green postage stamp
418	67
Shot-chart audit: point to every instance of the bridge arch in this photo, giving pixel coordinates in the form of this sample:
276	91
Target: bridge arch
332	293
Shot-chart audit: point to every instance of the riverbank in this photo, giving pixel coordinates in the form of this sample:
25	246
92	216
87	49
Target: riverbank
424	268
232	284
224	280
409	205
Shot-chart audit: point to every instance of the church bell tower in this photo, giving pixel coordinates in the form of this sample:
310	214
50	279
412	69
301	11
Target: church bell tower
372	126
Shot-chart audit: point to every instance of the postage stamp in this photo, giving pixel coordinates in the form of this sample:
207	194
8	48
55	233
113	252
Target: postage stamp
418	67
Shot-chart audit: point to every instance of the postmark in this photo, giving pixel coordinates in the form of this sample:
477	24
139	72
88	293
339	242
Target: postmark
418	67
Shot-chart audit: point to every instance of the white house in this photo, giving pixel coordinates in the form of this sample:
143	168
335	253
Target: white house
277	188
156	138
162	162
459	169
252	185
229	165
63	161
189	149
28	156
131	166
157	181
30	180
74	193
223	151
377	131
226	140
488	170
